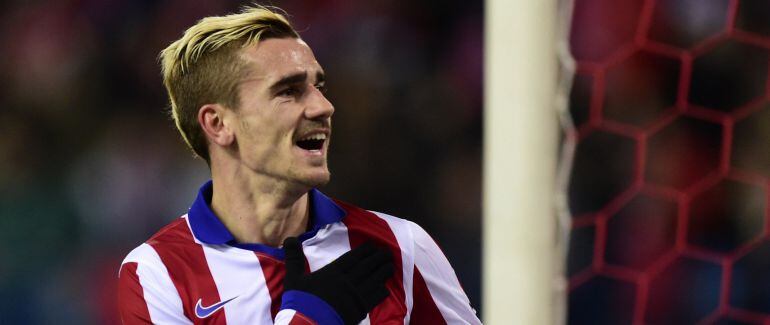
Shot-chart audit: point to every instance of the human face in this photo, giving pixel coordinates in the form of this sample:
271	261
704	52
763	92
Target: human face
283	125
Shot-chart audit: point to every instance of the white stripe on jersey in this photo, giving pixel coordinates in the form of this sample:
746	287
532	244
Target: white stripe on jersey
441	280
160	294
326	246
403	233
252	296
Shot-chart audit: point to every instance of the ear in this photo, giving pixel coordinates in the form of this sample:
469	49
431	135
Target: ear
211	118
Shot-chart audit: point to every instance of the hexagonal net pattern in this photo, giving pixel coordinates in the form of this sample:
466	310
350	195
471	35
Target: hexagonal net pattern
669	114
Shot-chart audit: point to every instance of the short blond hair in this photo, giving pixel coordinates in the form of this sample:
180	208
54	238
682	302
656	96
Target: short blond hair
203	67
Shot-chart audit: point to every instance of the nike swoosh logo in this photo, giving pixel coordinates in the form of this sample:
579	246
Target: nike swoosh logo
203	312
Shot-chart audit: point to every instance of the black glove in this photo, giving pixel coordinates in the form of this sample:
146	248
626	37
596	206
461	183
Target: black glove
353	284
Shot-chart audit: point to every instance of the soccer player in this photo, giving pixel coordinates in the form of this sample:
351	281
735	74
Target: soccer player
260	244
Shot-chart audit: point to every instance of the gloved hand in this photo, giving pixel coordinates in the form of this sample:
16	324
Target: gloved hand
353	284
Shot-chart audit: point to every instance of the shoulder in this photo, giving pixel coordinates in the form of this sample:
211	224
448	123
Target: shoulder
355	214
373	222
373	225
176	233
411	238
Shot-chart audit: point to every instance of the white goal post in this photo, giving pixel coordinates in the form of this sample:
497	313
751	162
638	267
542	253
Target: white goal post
525	223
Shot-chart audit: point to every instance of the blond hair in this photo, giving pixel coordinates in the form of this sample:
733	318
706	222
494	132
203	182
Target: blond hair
203	66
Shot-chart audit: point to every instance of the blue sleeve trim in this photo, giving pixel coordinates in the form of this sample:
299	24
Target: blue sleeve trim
310	306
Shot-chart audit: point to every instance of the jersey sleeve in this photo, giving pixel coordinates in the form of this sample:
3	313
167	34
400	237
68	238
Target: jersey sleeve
437	292
146	294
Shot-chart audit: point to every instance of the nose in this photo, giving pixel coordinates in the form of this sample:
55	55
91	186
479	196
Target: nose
318	107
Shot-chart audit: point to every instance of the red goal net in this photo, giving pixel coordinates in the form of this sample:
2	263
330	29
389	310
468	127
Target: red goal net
668	189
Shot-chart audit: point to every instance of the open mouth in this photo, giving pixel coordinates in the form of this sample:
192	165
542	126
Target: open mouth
312	142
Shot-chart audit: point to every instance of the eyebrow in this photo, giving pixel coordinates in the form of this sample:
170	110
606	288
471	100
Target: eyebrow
295	79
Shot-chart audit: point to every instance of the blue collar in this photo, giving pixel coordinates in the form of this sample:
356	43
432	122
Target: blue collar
207	227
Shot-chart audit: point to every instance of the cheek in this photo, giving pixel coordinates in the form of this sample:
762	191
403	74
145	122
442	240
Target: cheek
265	136
253	126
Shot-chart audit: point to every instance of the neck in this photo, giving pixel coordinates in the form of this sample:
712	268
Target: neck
259	209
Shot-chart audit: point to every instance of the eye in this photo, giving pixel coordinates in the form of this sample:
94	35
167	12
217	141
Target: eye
289	92
321	86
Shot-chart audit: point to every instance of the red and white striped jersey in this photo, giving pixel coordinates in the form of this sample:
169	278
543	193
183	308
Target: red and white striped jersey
194	272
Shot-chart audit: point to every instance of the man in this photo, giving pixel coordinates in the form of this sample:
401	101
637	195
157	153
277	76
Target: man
260	244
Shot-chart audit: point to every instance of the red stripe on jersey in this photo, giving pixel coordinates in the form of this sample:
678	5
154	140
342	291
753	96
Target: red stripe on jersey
424	310
274	272
187	267
133	307
365	226
300	319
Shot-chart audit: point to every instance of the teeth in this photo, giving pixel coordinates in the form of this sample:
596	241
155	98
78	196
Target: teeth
317	136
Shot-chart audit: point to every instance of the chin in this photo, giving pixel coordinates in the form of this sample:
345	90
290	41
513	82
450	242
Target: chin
315	179
318	181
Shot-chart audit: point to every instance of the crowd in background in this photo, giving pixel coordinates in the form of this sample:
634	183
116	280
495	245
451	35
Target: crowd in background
91	166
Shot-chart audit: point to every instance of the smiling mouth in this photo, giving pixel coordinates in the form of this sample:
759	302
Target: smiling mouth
313	142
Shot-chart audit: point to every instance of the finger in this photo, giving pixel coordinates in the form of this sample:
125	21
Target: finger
384	272
377	277
374	297
354	256
374	288
295	258
370	265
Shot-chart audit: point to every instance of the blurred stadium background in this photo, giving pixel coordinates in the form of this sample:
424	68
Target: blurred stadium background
90	166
